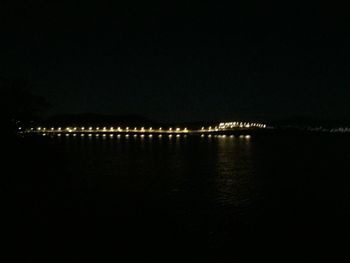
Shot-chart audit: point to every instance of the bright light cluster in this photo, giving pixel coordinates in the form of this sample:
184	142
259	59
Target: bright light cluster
231	125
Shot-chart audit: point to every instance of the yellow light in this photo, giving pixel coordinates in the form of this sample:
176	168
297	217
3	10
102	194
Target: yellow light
119	128
202	128
104	128
75	128
150	128
247	136
135	135
202	135
160	136
170	135
142	128
177	129
150	135
82	128
127	135
170	129
59	128
112	129
90	135
160	128
90	128
118	135
52	129
127	128
142	135
135	128
39	128
97	128
82	135
178	135
111	135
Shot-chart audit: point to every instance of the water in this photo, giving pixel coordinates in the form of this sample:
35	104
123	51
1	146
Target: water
274	196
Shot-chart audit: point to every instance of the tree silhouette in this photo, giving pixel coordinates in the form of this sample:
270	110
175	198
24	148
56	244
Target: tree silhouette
18	104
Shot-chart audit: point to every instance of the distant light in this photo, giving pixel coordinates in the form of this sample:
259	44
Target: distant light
111	135
150	128
177	129
202	135
90	128
247	136
104	128
202	128
170	135
160	128
103	135
97	128
170	129
82	135
82	128
59	128
160	136
135	135
39	128
52	128
142	135
112	129
127	135
150	135
142	128
90	135
127	128
118	135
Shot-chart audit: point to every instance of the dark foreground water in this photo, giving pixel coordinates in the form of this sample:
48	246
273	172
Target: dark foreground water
276	197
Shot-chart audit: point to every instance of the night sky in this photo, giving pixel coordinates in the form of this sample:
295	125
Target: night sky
181	61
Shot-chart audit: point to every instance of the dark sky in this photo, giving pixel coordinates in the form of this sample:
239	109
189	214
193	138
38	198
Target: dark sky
181	61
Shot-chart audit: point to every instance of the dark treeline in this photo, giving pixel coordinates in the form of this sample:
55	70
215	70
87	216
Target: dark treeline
18	105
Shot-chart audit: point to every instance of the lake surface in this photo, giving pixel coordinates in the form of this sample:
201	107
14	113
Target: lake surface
276	196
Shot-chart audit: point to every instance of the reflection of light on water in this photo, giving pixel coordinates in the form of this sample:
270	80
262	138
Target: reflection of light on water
235	181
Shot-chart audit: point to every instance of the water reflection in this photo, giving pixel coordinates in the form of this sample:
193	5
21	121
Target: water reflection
235	171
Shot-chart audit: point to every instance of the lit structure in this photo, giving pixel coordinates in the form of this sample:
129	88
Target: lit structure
222	129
